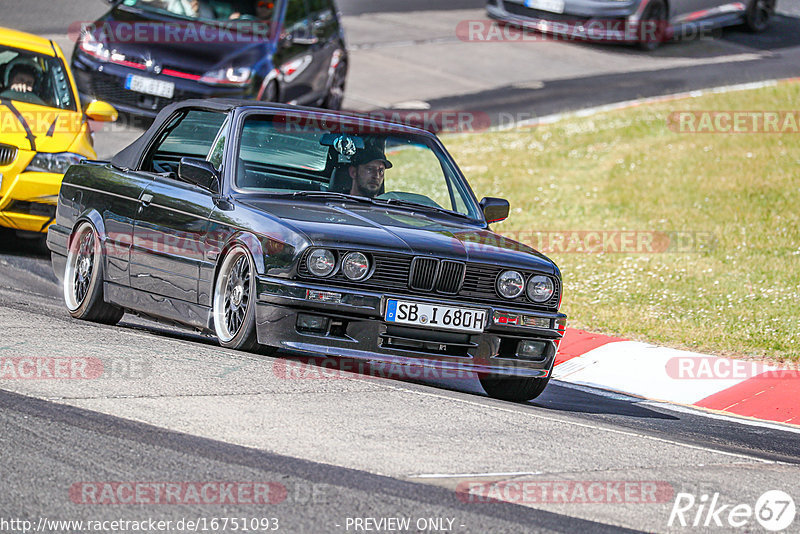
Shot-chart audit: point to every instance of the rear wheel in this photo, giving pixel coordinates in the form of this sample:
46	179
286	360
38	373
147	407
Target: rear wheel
234	301
83	279
759	14
513	389
653	26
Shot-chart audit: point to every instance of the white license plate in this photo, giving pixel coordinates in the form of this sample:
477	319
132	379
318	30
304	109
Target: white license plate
553	6
435	316
149	86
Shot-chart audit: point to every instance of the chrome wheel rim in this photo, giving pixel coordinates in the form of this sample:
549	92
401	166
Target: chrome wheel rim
80	267
233	294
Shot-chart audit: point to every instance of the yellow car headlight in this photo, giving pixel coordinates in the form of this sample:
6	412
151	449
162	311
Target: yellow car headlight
57	163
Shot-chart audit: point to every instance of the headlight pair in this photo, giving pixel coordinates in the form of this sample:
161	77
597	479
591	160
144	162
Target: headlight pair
322	262
511	284
56	163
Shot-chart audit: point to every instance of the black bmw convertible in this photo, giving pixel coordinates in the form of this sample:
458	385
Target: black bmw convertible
313	232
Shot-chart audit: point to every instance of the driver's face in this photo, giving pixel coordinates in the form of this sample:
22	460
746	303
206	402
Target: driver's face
264	9
367	178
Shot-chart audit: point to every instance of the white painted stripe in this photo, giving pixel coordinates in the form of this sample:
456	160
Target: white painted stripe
587	112
640	369
600	428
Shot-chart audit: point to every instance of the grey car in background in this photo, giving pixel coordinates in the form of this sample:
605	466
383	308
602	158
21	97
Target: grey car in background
645	22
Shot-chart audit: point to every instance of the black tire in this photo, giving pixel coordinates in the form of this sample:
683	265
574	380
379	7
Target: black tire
513	389
758	15
234	301
333	100
270	93
653	26
83	279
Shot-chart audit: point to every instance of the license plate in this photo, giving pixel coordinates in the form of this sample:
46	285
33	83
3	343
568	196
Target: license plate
149	86
435	316
553	6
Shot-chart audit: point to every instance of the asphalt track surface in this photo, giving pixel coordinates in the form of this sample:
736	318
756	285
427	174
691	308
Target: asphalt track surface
356	446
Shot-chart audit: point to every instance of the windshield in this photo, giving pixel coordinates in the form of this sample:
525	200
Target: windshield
34	78
279	155
213	10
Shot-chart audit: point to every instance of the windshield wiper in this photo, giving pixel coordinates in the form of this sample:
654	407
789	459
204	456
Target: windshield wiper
416	205
330	195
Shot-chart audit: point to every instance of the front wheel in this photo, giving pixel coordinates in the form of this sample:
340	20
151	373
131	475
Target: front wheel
234	296
513	389
83	279
758	15
333	100
653	26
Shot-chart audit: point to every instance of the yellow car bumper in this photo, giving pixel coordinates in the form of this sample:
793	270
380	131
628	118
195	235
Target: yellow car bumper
28	200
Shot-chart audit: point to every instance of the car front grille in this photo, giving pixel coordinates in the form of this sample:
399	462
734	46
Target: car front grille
111	88
522	11
425	275
431	274
8	154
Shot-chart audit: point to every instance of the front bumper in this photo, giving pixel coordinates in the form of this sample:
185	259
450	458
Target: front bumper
98	80
600	21
356	329
28	199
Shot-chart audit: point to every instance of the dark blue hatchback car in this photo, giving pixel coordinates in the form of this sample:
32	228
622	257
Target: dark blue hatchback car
145	54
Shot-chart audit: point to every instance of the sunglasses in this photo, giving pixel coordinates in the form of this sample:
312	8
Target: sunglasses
268	5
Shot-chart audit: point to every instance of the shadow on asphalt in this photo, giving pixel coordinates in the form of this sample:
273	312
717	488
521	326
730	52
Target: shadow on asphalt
563	399
783	32
28	247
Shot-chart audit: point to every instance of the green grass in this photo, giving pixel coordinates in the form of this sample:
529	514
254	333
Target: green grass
627	170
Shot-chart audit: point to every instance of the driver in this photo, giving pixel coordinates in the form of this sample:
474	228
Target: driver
22	78
263	10
366	170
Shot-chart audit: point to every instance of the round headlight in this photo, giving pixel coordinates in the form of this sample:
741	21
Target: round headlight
321	262
355	266
510	284
540	288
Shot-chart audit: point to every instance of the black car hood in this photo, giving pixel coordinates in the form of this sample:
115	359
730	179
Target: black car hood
351	225
197	48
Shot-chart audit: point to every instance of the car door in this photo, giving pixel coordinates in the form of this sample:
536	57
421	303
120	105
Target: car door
173	216
116	193
294	57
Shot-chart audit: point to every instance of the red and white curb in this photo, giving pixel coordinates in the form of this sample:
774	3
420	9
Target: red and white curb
726	385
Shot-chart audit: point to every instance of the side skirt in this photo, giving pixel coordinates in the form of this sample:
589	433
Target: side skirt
159	307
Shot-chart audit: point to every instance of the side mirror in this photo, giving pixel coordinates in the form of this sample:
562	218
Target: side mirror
495	209
101	111
199	172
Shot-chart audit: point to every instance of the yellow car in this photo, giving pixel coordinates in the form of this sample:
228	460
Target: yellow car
43	129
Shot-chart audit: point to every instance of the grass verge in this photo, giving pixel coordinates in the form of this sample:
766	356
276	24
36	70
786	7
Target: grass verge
728	203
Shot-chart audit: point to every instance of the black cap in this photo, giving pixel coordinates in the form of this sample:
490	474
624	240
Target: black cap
363	157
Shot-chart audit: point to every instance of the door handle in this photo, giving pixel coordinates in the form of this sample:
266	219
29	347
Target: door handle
146	199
